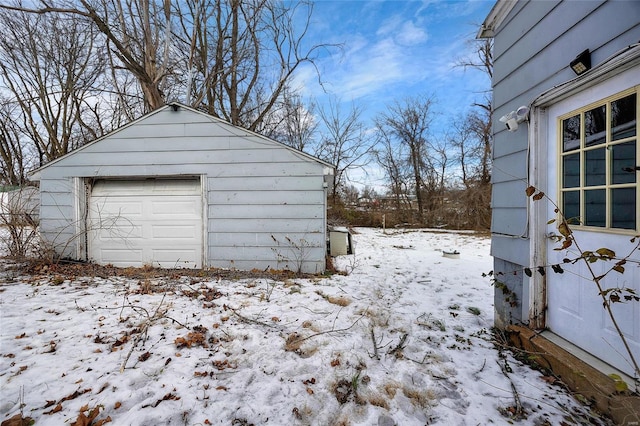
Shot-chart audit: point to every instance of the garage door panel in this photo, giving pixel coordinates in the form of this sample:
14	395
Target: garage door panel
174	232
126	257
117	234
134	223
175	258
117	206
178	206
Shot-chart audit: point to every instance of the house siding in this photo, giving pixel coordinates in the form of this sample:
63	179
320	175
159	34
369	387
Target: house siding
258	192
532	49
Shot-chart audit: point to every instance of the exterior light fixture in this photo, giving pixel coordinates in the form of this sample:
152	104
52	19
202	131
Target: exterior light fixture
512	119
582	63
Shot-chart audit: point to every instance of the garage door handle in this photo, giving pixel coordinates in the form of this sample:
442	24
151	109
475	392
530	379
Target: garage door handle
631	169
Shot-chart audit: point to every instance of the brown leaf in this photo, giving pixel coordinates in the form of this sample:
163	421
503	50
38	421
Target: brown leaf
530	190
619	268
56	409
563	228
75	395
94	413
18	420
539	196
117	405
605	252
101	422
82	420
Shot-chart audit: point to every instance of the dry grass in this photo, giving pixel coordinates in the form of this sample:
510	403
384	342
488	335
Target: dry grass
390	388
294	343
423	398
374	398
335	300
339	300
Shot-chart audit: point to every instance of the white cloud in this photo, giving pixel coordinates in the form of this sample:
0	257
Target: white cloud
411	35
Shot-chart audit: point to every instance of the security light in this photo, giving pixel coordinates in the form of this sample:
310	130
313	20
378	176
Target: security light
512	119
582	63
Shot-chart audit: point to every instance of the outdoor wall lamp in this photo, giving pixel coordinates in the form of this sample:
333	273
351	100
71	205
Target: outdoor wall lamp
582	63
512	119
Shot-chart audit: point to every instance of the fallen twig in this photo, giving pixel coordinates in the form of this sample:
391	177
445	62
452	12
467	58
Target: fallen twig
518	410
327	332
396	351
249	320
375	346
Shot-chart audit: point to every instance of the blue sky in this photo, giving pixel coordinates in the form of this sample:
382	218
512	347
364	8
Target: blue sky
394	49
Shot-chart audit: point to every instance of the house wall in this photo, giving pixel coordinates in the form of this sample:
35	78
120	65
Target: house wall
265	203
532	49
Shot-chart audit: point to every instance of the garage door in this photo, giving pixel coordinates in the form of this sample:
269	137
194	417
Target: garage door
146	222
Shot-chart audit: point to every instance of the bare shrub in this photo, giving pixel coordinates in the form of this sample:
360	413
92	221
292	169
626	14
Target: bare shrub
19	217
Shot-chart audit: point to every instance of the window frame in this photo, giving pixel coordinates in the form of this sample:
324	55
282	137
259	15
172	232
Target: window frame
582	151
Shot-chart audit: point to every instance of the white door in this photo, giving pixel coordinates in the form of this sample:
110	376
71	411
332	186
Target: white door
592	144
154	222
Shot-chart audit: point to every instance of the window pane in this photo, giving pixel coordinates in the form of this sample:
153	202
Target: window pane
571	206
595	208
595	167
571	133
623	208
571	171
623	156
623	118
595	126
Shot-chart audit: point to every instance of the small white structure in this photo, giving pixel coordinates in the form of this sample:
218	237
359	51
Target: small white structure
340	242
180	188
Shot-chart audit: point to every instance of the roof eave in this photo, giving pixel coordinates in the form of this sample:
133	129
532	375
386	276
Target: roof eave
498	12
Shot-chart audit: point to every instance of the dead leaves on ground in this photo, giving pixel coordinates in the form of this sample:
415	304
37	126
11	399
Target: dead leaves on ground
69	397
192	339
18	420
88	418
167	397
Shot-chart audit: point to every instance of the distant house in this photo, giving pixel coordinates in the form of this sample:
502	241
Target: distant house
180	188
576	66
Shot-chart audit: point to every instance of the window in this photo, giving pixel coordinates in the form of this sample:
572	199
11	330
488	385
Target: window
599	155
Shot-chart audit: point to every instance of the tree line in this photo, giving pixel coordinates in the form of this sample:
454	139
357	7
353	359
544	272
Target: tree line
74	70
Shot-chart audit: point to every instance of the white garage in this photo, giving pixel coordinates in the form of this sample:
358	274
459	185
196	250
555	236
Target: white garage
178	188
154	222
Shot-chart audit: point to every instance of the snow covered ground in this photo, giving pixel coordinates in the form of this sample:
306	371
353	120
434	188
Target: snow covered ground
403	339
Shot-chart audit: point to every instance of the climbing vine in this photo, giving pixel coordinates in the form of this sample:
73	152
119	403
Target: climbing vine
616	264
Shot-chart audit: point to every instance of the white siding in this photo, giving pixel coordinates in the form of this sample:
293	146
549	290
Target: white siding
255	188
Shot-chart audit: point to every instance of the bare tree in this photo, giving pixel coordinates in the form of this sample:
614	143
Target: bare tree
137	34
391	157
473	138
242	55
49	67
15	158
293	123
344	143
408	123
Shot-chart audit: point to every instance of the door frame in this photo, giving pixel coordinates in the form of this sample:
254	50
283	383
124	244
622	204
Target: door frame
536	302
